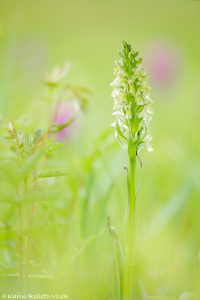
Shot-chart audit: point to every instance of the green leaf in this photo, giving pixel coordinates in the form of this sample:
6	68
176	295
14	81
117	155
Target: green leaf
37	135
53	147
46	174
31	163
139	61
55	128
120	132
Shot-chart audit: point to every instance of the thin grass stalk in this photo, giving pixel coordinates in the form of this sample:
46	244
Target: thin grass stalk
119	259
21	252
31	225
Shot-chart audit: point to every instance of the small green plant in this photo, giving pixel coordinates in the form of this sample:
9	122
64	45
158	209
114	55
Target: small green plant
132	111
28	164
29	149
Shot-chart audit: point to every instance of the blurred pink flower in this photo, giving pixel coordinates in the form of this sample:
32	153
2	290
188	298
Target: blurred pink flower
162	62
64	111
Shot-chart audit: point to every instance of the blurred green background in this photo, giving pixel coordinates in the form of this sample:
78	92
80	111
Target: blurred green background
37	35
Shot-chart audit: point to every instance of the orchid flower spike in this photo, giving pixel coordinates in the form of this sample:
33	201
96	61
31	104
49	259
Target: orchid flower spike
132	102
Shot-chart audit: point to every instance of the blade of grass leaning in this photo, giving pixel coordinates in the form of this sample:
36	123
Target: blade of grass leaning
31	163
119	259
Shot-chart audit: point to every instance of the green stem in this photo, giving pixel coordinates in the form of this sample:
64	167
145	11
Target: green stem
128	289
21	252
31	225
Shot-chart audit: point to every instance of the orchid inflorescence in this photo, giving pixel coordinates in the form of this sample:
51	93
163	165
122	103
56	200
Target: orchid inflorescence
132	103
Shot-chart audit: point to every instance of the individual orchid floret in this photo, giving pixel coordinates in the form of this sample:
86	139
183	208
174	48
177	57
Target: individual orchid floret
132	102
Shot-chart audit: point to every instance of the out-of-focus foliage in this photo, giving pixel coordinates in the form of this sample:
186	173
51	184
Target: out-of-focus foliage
83	182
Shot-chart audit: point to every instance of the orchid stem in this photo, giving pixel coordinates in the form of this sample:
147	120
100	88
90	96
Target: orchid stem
128	288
